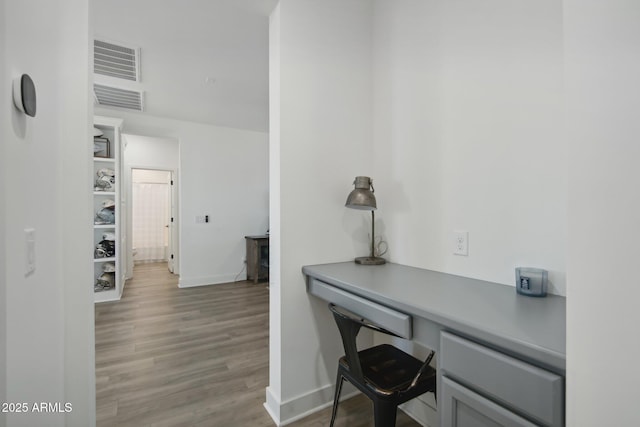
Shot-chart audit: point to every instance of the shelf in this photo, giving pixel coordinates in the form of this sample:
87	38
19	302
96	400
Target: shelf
104	226
111	132
104	296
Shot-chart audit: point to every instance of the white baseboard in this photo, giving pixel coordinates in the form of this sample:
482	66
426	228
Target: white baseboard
422	409
190	282
272	405
284	413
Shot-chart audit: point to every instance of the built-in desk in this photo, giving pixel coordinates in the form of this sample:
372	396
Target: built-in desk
501	356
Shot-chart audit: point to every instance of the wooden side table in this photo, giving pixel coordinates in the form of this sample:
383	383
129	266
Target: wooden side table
257	257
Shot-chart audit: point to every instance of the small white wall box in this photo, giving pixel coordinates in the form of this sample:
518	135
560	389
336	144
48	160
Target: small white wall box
531	281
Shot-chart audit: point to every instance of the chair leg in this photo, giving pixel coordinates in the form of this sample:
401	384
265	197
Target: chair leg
336	398
384	414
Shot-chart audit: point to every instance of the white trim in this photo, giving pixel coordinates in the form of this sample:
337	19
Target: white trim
292	410
422	409
108	122
107	296
129	206
272	405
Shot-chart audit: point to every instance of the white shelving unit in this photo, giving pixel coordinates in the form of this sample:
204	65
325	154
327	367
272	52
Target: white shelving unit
111	130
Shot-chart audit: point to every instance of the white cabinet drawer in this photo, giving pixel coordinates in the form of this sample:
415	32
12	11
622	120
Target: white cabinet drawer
395	321
527	389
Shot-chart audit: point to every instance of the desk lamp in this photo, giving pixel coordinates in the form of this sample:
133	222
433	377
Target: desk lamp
362	198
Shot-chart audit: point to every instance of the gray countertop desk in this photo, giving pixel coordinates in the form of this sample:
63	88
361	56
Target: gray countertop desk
501	356
533	329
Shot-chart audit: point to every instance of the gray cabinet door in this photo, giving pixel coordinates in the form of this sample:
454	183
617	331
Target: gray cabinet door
461	407
535	393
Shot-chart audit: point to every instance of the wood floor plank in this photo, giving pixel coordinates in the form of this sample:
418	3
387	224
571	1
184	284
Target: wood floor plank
194	357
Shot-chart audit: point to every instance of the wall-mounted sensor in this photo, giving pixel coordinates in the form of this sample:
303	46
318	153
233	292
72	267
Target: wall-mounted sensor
24	95
531	281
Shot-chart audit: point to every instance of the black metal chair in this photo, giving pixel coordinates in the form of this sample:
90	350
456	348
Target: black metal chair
384	373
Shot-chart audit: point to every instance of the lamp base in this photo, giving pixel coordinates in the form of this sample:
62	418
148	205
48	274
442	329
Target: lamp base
370	260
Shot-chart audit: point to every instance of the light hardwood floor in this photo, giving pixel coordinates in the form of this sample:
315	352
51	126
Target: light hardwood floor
192	357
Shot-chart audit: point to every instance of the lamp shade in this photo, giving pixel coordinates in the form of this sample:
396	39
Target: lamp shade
362	196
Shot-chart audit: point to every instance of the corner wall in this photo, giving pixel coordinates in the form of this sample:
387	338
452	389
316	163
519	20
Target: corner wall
47	186
603	107
454	109
320	85
4	114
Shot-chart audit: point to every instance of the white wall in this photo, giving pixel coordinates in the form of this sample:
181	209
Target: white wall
468	135
467	98
152	153
223	173
274	390
49	339
603	107
4	114
321	132
455	110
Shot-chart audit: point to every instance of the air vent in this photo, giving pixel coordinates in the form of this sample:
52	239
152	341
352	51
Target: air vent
116	61
110	96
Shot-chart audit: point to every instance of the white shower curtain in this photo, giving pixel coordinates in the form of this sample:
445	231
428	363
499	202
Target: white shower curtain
150	217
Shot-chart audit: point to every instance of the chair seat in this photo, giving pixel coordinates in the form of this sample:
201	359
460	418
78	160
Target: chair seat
384	373
388	369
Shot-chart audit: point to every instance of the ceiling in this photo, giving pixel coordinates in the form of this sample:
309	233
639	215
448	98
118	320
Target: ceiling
200	60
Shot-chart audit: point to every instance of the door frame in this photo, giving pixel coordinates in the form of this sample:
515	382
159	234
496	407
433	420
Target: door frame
174	235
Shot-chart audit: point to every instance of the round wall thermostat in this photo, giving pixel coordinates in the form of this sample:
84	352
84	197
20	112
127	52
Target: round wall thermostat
24	95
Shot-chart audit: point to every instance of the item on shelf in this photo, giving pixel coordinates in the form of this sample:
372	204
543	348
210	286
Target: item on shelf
105	171
105	189
108	204
105	282
101	147
105	249
109	235
106	180
106	214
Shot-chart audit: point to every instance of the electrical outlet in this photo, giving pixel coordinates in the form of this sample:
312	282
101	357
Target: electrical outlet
461	243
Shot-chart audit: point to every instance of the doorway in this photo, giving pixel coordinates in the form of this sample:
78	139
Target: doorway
153	207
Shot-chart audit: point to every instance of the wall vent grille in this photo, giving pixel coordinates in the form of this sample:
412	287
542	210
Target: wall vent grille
116	61
110	96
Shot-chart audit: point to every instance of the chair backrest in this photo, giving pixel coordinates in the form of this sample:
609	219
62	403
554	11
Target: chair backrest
349	325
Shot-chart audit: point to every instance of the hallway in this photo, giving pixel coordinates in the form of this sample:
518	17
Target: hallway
167	356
